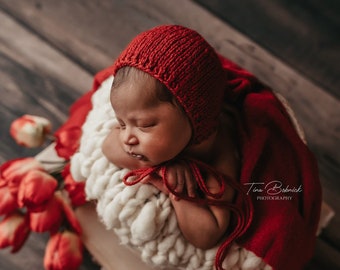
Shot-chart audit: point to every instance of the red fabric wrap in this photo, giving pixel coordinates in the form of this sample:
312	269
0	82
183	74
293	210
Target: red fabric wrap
282	231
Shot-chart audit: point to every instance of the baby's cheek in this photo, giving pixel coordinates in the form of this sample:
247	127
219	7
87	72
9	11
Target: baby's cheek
105	146
108	143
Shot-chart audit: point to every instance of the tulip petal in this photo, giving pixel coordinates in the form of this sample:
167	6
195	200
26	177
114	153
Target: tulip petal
8	202
3	182
70	216
48	220
76	190
67	141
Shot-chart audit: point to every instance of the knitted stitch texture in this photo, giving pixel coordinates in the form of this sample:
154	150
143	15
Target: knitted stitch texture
187	65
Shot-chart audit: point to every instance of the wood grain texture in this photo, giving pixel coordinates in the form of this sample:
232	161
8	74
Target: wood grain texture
23	91
305	34
49	51
33	81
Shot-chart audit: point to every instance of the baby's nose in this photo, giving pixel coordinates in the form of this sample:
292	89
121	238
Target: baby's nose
129	138
131	141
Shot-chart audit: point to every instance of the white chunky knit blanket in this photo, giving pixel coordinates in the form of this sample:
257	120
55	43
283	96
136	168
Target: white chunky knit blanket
140	215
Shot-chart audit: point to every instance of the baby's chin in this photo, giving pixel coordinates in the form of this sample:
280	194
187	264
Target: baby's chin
140	161
146	163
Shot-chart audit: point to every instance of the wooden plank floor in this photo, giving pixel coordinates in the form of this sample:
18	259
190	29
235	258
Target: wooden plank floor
49	51
305	34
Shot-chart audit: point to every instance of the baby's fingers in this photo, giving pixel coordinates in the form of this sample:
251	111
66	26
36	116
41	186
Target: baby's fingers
175	180
190	184
180	181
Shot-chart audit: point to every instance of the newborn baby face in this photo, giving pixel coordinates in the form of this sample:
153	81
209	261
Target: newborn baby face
149	130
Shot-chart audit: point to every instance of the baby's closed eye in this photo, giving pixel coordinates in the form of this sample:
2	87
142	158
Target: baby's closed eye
146	126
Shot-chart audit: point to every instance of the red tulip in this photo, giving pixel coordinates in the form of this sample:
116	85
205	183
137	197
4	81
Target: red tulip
64	251
14	230
50	219
36	189
76	190
30	130
57	211
14	170
8	202
67	141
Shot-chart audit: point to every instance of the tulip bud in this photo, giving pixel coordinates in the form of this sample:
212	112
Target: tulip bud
64	251
14	170
36	189
30	131
56	213
14	230
50	219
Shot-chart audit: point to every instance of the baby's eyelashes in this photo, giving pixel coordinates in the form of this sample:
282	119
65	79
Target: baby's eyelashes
143	126
146	126
121	124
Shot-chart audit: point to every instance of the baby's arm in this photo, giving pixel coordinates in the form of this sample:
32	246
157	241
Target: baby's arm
203	225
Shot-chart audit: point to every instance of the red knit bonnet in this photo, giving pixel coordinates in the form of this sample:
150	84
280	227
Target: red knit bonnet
187	65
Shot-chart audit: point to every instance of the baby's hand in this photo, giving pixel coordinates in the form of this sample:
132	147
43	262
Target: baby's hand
181	180
156	180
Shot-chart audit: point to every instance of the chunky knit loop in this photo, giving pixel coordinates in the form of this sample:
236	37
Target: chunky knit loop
187	65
